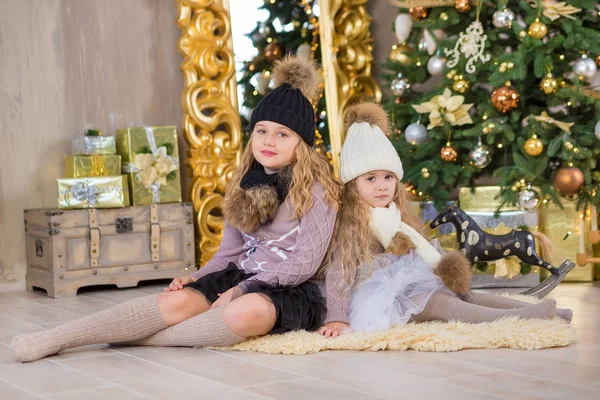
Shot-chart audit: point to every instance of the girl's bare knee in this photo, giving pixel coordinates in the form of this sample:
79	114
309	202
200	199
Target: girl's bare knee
250	315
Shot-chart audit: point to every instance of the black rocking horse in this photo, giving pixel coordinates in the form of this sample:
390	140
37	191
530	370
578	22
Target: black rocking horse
480	246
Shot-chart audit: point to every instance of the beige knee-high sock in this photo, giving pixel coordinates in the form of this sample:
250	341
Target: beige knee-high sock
502	302
131	320
493	300
442	306
206	329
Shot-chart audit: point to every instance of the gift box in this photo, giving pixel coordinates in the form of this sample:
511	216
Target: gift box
482	198
507	272
151	161
86	166
93	192
564	228
93	145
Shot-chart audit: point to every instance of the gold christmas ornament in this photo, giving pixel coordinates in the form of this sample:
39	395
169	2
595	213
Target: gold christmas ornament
522	34
549	84
419	13
461	86
569	146
568	181
448	153
534	146
444	16
425	173
463	6
273	51
537	29
505	99
401	53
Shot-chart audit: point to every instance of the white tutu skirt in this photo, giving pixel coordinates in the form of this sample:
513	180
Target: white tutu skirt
398	288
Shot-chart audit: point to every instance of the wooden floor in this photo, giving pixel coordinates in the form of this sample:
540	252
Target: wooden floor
100	372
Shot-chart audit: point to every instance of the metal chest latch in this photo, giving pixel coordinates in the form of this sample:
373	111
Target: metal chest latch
124	225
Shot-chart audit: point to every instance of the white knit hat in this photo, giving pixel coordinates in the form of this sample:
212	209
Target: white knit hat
366	147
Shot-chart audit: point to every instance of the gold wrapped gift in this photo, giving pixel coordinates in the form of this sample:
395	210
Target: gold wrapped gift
85	166
484	198
151	160
93	192
563	228
93	145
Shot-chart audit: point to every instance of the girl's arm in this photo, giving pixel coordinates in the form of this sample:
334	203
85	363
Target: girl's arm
232	245
316	229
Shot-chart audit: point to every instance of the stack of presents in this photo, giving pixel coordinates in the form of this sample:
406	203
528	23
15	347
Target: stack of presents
567	232
120	219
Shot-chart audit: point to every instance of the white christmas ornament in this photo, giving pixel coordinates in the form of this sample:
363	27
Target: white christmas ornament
435	65
471	44
430	43
403	25
304	51
263	83
585	67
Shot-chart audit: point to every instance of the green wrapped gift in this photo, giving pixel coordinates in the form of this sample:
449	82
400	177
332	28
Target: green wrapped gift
151	160
93	192
85	166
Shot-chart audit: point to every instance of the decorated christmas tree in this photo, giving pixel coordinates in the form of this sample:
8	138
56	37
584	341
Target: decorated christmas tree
292	27
501	90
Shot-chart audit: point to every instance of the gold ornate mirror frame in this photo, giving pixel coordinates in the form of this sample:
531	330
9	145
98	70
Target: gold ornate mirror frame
211	122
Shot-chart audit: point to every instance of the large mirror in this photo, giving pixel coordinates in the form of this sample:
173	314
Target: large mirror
225	42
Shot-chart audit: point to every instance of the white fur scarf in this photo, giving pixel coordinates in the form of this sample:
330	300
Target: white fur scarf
385	222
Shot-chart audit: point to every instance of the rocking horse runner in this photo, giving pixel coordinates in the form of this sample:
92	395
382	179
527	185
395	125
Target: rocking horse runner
480	246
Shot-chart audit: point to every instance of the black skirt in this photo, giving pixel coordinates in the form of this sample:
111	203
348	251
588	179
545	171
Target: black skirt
297	307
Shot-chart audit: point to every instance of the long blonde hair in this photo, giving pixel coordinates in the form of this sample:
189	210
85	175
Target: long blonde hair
353	243
308	167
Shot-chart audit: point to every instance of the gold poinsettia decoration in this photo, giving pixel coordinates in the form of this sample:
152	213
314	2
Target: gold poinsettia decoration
155	168
553	9
446	107
544	117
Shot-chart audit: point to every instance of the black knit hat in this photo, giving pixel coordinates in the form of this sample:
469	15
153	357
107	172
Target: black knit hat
289	104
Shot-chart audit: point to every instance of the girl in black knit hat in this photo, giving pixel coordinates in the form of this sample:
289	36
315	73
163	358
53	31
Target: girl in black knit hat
279	210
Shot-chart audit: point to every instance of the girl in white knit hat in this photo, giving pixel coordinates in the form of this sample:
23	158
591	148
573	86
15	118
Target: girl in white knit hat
380	270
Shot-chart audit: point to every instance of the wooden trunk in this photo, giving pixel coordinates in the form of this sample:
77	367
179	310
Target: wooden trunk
69	249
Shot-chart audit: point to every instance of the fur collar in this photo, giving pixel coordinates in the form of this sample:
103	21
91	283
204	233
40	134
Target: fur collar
254	203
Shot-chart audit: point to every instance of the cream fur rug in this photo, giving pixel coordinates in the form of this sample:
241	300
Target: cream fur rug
514	333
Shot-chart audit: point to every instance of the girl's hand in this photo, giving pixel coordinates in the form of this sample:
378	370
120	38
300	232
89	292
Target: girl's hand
333	329
227	297
178	283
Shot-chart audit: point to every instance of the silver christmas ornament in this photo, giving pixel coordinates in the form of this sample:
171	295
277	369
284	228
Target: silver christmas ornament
585	68
416	133
435	65
597	130
399	85
503	18
481	155
529	199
